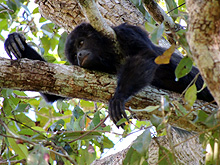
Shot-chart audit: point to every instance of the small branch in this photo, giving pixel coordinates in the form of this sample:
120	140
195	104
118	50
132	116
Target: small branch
95	18
160	16
5	8
87	133
22	161
63	155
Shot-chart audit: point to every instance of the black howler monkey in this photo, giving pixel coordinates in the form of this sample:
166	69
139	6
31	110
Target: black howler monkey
89	49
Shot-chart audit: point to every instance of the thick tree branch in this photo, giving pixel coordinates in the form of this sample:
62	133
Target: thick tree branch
76	82
68	14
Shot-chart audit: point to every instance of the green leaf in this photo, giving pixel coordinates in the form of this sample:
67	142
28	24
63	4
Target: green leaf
57	125
49	58
142	142
62	105
42	19
149	27
182	110
96	119
24	119
147	109
133	157
7	92
35	11
48	29
19	149
54	42
77	112
26	131
87	104
211	121
61	46
39	129
107	143
146	123
184	67
155	120
12	5
45	43
191	95
20	93
162	159
201	116
22	107
121	121
77	134
170	4
157	33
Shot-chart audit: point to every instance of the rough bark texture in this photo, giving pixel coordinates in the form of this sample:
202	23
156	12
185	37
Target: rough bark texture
204	40
185	151
158	14
68	14
75	82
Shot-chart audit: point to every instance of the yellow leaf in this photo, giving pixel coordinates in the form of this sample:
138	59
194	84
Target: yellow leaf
165	57
87	122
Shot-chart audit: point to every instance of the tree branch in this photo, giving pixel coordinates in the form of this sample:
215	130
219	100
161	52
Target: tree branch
76	82
68	14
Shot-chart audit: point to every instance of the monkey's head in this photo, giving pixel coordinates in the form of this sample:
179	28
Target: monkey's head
89	49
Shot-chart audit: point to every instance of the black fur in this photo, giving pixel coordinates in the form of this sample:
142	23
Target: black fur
135	65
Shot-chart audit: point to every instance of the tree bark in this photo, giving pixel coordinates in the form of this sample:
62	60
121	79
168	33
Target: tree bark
186	149
68	14
76	82
204	41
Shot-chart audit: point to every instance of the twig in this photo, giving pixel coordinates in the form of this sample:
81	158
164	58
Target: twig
90	130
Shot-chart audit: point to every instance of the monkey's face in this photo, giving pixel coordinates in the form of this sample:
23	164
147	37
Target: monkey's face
87	48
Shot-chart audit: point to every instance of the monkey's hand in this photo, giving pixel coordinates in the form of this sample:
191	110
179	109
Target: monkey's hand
117	110
15	44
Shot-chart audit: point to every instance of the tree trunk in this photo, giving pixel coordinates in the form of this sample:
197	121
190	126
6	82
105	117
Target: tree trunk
204	41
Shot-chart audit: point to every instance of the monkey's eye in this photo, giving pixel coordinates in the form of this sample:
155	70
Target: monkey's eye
80	44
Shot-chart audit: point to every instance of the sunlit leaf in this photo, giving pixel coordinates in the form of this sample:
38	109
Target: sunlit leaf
48	29
147	109
24	119
191	95
19	149
35	11
171	4
184	67
107	143
121	121
165	57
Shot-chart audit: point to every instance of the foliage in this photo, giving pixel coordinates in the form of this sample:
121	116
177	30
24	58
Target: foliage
73	131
